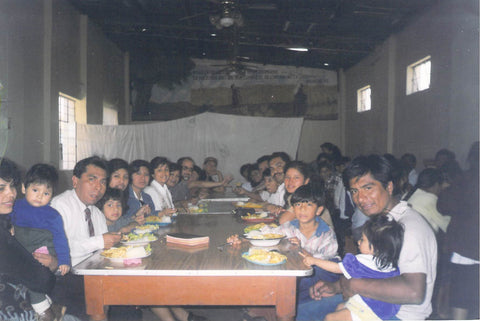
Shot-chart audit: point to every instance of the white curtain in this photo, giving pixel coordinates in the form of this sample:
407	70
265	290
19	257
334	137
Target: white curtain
233	140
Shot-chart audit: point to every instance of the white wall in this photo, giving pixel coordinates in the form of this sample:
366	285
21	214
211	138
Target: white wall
314	133
446	115
42	53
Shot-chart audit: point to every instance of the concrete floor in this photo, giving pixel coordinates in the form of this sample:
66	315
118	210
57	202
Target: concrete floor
144	314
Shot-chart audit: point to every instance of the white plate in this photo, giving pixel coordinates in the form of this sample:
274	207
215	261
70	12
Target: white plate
269	242
139	242
120	260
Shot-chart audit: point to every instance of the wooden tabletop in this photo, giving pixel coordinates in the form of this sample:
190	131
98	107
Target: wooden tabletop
214	259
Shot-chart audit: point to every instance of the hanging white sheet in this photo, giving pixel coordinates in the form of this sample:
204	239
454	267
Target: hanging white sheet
233	140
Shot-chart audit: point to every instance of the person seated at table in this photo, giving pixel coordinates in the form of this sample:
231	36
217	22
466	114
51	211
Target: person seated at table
380	246
309	232
119	178
174	185
273	196
139	203
199	187
297	173
84	225
25	279
212	173
370	181
255	179
158	189
244	170
112	205
37	224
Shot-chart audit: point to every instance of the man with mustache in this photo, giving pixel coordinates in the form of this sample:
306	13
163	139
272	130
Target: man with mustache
85	227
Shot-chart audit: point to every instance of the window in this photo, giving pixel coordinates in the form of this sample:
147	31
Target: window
418	76
67	132
364	102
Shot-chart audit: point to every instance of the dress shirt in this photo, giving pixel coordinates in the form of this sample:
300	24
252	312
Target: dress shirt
160	195
72	211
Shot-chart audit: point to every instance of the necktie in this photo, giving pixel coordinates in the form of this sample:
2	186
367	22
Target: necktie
88	218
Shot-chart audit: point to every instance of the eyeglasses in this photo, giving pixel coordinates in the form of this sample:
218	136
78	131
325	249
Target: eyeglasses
185	168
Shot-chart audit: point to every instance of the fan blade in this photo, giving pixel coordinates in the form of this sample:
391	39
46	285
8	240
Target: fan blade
194	16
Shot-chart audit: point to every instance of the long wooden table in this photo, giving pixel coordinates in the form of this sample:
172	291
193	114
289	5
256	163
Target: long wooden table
211	275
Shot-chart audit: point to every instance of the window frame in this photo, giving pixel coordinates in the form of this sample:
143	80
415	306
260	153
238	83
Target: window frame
413	78
67	132
362	105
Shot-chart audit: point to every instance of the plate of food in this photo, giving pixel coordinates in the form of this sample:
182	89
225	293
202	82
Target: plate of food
262	217
247	205
120	254
258	227
160	221
264	257
147	228
138	239
258	238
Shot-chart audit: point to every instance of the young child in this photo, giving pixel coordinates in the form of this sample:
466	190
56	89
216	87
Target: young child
39	228
112	205
380	245
309	232
37	224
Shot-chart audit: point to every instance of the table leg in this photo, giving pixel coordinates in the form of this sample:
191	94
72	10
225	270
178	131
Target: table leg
285	298
94	298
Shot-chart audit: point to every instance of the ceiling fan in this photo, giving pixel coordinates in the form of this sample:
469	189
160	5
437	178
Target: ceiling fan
228	16
226	13
236	65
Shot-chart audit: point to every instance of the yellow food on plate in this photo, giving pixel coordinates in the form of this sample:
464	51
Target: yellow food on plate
126	252
250	216
258	227
139	237
156	219
264	256
248	205
115	252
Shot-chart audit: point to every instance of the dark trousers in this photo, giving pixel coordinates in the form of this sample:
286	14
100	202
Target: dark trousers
69	291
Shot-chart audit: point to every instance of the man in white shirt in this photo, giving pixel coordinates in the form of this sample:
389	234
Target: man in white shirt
89	184
85	227
370	181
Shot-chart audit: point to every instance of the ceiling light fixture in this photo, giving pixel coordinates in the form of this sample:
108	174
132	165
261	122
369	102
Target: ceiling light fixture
301	49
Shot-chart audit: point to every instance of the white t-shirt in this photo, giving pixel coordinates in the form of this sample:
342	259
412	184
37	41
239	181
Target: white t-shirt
418	255
275	198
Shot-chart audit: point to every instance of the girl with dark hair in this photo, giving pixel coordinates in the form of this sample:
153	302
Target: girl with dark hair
297	173
380	246
112	205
